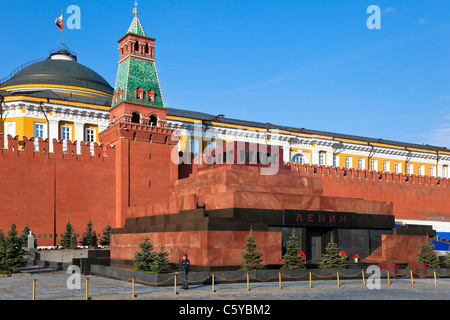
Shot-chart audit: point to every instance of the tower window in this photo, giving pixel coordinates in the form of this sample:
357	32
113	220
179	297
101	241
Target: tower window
139	93
136	117
136	46
146	48
153	120
151	95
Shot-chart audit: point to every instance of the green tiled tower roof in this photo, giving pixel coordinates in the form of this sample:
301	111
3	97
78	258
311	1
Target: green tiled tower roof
134	73
136	27
138	72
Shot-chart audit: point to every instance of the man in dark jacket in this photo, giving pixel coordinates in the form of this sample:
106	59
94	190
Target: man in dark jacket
184	270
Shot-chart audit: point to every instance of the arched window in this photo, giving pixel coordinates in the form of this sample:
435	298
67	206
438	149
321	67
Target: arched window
151	95
136	117
298	158
139	93
153	120
136	46
146	48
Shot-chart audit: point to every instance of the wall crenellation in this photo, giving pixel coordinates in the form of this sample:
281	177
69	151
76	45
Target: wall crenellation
62	149
368	175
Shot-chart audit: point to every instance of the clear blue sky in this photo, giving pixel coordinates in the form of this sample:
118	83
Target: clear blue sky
304	63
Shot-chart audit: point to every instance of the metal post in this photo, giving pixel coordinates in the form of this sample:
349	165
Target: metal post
279	278
435	282
133	283
248	282
213	283
412	279
34	289
364	280
87	288
175	285
389	281
337	273
310	284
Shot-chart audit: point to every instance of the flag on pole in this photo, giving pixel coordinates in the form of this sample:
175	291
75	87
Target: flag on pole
59	22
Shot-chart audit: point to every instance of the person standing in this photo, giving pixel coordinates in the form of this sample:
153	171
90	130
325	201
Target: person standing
184	270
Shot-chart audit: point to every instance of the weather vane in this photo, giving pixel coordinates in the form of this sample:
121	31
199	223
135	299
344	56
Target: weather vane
135	8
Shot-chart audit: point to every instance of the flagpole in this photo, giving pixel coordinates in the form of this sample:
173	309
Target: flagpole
62	15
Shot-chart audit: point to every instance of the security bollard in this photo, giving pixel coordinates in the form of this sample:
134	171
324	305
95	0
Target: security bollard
279	279
175	286
337	273
364	280
213	283
248	282
133	283
34	289
87	288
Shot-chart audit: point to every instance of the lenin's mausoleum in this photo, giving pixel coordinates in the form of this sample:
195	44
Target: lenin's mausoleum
75	149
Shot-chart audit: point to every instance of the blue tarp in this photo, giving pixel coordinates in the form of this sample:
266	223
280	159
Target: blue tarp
440	246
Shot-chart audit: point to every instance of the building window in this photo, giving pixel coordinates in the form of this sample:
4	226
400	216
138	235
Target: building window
386	166
298	158
421	170
90	135
398	167
335	161
433	171
445	171
66	133
321	159
210	145
374	165
409	168
348	162
39	130
361	163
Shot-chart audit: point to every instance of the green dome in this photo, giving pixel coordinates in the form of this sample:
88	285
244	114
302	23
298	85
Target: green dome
60	69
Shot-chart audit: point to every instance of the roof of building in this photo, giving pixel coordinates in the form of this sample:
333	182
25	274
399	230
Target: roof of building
268	126
60	70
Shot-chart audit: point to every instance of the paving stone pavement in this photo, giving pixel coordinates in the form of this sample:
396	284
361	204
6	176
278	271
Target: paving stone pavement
53	286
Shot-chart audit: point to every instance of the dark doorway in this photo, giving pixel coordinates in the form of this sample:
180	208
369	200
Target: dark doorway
316	241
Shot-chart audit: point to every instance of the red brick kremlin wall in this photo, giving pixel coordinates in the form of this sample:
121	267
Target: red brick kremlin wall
419	198
45	189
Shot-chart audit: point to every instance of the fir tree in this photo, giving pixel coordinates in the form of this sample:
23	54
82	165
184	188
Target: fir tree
251	258
427	255
86	237
67	236
14	254
2	250
105	240
291	259
143	260
332	259
161	262
447	259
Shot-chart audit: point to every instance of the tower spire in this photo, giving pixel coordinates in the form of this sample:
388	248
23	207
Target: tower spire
135	9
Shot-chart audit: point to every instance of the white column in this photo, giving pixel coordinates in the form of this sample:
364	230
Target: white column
329	158
286	153
315	156
53	132
78	135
